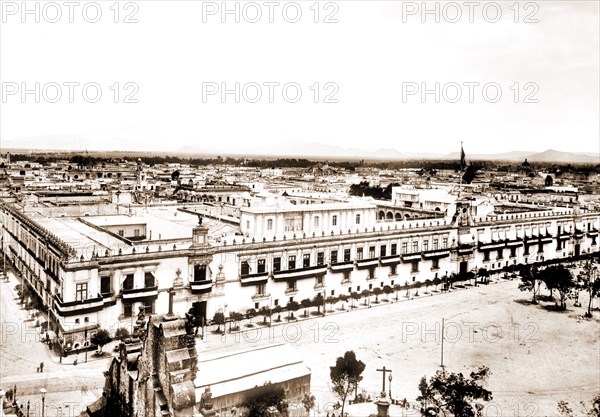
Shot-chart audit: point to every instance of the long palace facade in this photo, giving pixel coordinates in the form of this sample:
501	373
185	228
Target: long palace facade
279	255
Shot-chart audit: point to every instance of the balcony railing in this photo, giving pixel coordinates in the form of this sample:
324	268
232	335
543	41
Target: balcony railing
491	245
137	293
411	256
342	266
592	233
72	308
578	234
300	273
260	297
200	287
436	253
563	236
254	279
291	291
514	242
367	263
390	260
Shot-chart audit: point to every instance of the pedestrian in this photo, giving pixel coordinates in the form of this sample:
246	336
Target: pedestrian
41	366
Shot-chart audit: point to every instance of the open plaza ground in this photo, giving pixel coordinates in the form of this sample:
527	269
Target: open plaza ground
536	356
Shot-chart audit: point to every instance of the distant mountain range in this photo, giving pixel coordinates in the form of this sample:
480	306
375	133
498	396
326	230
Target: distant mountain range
298	149
302	149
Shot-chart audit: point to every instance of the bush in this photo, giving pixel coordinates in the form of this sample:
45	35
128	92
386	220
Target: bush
122	333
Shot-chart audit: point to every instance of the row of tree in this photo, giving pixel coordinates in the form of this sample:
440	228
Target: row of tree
560	279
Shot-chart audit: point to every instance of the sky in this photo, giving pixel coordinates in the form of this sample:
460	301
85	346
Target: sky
361	68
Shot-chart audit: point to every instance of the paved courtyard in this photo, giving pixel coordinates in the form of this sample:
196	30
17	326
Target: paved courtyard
536	357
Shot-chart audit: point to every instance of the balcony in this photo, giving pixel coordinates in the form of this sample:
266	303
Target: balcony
412	256
201	287
514	243
592	233
563	236
390	260
260	297
300	273
342	266
491	245
291	291
367	263
465	250
72	308
138	294
254	279
547	238
578	234
436	253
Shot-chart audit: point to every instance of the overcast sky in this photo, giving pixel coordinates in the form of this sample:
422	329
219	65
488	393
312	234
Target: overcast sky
375	52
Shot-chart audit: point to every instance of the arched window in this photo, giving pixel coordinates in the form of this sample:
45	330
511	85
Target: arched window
316	221
269	224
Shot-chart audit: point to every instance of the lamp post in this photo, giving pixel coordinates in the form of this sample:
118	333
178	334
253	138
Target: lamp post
390	387
43	392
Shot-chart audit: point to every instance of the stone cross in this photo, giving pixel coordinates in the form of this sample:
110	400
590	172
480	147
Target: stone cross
384	371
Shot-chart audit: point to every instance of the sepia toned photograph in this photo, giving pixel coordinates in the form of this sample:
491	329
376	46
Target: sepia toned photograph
309	208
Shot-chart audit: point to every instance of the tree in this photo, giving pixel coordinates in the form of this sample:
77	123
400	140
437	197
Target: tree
306	303
366	295
454	393
377	292
219	319
590	282
548	181
266	312
235	318
530	280
277	310
318	302
345	376
331	301
101	338
308	401
557	277
355	297
291	307
343	298
397	288
436	281
260	399
593	411
484	274
175	175
427	284
122	333
250	313
387	290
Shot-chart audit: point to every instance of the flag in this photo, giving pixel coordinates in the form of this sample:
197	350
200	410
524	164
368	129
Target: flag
463	159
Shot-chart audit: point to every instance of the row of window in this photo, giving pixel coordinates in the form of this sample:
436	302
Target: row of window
334	256
316	222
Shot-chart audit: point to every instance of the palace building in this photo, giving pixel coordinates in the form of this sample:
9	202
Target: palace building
95	269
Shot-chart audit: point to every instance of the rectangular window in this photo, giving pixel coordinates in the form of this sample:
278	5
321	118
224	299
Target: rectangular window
149	280
127	310
394	248
358	219
393	271
81	292
445	242
105	285
306	260
513	252
414	266
320	280
128	282
404	247
371	252
292	262
320	258
426	245
359	253
382	250
149	306
261	289
121	233
435	244
415	247
334	256
316	221
136	232
269	224
261	266
486	255
346	255
500	253
371	273
347	276
435	263
276	264
245	268
334	220
291	284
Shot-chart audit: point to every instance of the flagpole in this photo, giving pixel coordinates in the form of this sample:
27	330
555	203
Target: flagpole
461	168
